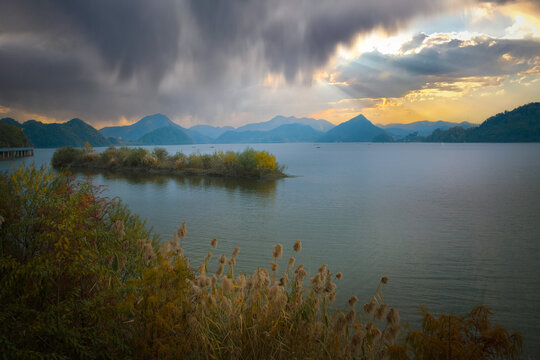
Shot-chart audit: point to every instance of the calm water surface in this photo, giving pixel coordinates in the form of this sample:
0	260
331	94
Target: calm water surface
451	225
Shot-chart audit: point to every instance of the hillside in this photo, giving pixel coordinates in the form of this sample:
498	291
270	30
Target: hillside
281	134
519	125
12	136
318	125
212	132
72	133
168	135
139	129
422	128
358	129
199	138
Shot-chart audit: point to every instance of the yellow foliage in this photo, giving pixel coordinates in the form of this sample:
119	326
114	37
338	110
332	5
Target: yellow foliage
265	161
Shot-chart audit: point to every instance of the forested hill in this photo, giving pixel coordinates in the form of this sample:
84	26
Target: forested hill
519	125
72	133
12	136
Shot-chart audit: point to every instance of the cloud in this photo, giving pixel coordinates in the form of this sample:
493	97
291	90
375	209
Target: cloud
414	43
393	75
206	60
131	36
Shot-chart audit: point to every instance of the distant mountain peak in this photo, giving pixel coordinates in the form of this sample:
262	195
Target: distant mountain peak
77	121
166	135
137	130
360	117
154	117
357	129
276	121
284	133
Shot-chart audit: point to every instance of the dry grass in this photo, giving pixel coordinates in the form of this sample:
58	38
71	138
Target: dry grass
266	314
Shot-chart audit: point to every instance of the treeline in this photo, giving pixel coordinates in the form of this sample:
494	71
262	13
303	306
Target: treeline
519	125
248	163
83	278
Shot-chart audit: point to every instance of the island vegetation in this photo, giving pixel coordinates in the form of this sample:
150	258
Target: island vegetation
81	277
246	164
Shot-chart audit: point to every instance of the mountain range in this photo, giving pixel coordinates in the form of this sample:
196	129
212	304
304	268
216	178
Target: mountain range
422	128
317	125
519	125
283	133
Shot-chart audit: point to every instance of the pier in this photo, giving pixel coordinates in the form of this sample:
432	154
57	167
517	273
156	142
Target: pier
12	153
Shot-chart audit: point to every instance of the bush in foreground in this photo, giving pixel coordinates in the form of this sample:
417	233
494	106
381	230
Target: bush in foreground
81	277
66	253
248	163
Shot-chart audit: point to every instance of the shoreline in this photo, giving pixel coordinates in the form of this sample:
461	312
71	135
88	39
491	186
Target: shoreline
216	173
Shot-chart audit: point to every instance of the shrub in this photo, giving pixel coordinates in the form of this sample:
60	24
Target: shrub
178	160
65	156
195	161
160	153
265	161
108	155
65	254
206	160
230	159
150	161
469	336
247	162
135	157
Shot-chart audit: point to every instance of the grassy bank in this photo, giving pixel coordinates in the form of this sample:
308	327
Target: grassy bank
246	164
81	277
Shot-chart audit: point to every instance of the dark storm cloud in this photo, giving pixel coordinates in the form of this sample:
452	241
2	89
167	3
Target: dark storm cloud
29	69
130	36
298	36
379	75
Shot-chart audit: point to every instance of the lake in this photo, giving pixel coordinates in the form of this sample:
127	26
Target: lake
451	225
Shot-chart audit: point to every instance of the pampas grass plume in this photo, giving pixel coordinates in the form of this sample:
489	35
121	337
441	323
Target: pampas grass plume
278	251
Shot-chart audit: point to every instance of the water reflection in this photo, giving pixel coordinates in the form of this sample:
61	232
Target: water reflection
259	187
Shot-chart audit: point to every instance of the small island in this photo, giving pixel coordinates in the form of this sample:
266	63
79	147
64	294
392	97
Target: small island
246	164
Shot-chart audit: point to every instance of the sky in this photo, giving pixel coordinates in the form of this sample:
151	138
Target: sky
232	62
